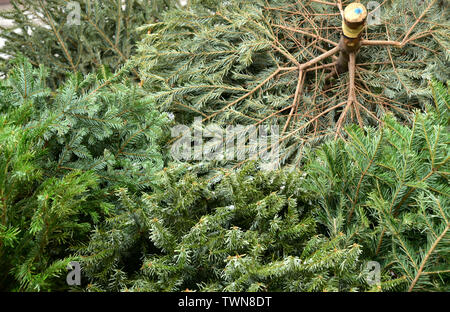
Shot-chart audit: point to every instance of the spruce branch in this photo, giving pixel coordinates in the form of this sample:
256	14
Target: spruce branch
428	254
285	46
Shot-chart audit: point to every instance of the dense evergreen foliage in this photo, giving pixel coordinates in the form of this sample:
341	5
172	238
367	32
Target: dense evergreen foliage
388	189
86	172
382	195
237	62
47	34
249	232
63	153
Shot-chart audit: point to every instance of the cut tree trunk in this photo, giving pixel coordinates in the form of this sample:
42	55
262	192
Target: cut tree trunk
354	19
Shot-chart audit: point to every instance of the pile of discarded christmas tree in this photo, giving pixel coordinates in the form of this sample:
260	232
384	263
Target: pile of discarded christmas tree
102	105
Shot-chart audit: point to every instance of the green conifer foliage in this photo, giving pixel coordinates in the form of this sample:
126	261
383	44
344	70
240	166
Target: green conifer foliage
62	154
41	216
100	122
252	231
45	33
248	62
84	175
382	195
388	189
